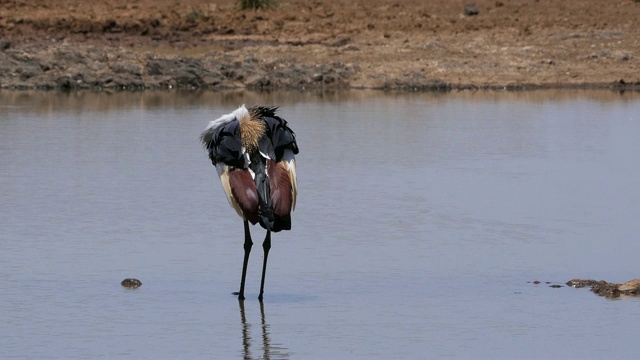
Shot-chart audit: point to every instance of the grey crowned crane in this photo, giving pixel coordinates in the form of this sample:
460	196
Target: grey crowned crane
253	152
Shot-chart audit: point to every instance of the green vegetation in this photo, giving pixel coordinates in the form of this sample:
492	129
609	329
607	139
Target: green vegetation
196	15
256	4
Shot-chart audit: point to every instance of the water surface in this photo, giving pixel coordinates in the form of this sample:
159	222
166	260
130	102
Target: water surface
421	221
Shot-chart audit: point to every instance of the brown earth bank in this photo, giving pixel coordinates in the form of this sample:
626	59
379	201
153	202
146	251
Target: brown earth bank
374	44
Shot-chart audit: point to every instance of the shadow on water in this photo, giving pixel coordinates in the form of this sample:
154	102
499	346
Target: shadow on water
81	101
269	350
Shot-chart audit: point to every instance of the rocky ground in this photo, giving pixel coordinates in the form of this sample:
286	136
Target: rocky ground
386	44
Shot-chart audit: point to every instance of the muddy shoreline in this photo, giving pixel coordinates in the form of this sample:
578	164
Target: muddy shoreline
408	45
89	67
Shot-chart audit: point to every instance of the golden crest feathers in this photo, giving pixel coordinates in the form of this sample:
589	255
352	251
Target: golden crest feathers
252	128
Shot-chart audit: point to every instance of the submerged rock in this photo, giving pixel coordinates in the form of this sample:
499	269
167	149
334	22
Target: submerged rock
578	283
131	283
607	289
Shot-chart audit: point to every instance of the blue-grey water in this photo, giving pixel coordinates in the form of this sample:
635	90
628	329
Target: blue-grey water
422	221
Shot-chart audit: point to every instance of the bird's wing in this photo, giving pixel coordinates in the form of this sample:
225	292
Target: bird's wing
289	164
224	144
279	137
223	172
283	185
281	146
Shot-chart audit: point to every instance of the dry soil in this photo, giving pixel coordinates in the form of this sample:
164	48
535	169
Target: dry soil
402	44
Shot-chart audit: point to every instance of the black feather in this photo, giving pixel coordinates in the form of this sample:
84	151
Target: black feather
226	146
279	137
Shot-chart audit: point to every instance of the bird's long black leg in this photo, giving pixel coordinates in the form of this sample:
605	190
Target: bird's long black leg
266	245
247	250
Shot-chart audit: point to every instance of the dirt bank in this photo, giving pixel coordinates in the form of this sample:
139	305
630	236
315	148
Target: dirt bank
402	44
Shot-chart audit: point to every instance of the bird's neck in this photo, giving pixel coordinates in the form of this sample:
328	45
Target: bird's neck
251	130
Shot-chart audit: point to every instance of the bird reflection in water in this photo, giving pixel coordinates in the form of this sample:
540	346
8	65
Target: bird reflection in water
269	350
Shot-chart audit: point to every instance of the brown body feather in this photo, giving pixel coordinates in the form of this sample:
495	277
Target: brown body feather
244	194
281	193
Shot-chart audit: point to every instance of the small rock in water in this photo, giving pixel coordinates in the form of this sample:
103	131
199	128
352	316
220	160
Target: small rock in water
131	283
579	283
606	289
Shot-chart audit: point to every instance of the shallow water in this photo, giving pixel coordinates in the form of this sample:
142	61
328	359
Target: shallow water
421	222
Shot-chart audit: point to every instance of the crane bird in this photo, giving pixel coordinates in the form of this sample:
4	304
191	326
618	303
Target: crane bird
253	151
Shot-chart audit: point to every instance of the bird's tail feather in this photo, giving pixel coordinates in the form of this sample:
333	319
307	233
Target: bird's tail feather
266	215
